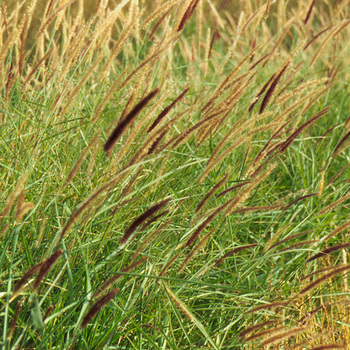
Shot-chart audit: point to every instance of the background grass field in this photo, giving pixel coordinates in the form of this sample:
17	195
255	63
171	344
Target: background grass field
174	174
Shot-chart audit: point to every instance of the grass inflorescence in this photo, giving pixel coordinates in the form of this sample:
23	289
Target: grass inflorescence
174	174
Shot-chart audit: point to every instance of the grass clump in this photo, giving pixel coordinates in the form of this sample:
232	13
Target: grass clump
174	174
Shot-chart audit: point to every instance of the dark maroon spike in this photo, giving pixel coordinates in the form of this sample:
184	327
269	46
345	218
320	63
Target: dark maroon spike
120	128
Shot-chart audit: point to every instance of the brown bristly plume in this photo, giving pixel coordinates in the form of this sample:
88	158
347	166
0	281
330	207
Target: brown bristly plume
331	35
232	188
97	306
166	110
272	88
15	318
116	276
41	231
283	34
211	192
320	271
196	249
233	251
289	238
149	238
52	17
262	90
20	202
154	219
265	151
309	11
160	10
258	208
33	270
237	130
346	124
4	229
124	36
177	140
200	228
136	130
5	19
157	141
178	303
6	47
249	20
264	333
267	306
11	77
256	327
130	102
71	50
297	245
336	153
151	35
35	68
268	55
290	139
216	35
267	10
321	183
298	200
45	267
297	91
328	251
273	239
189	9
118	131
316	36
168	264
48	312
214	161
323	136
334	204
330	346
142	218
23	210
143	64
323	278
48	8
283	335
341	142
303	319
338	230
245	193
337	175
